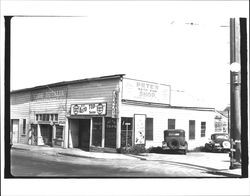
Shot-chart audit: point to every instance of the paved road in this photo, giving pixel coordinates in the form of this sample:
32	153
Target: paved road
33	164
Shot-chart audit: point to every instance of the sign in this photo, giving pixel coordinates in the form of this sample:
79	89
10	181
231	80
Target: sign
145	91
115	104
89	109
49	94
140	125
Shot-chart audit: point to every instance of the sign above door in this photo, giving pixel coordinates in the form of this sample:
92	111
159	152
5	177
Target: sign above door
89	109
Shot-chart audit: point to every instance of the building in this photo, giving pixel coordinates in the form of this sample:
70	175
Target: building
104	114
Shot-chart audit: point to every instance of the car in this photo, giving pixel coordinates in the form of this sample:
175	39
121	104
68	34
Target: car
174	140
219	142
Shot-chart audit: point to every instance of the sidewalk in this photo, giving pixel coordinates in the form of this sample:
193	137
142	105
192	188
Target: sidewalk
74	152
208	162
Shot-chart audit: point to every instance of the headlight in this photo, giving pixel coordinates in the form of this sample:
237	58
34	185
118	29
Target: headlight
216	144
226	144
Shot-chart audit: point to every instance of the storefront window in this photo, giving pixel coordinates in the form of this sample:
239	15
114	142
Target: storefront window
126	131
97	131
59	132
110	132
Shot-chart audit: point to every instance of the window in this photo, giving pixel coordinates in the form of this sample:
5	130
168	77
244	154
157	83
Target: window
46	117
97	131
171	123
203	129
149	128
126	131
59	132
110	132
192	129
24	126
56	117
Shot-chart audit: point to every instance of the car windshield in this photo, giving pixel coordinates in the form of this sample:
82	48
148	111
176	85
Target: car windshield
221	137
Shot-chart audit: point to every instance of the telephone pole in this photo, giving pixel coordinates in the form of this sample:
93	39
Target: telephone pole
235	92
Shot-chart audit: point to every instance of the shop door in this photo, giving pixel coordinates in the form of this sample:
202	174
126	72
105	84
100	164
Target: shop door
46	133
15	131
84	133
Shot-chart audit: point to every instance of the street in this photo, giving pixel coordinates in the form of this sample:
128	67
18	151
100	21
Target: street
33	164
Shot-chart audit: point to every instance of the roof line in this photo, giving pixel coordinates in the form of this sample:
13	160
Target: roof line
70	82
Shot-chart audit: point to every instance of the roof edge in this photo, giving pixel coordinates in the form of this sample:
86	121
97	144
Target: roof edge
70	82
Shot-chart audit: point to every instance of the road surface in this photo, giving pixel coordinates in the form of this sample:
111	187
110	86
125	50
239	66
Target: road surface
33	164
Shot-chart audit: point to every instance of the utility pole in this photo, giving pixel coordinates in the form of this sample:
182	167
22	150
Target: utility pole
235	91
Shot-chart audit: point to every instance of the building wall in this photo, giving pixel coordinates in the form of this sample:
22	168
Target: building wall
182	116
92	92
49	101
19	109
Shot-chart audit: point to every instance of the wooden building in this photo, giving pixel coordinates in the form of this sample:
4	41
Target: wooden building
104	114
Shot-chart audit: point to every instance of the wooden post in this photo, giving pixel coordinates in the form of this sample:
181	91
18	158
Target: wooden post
66	134
103	131
53	134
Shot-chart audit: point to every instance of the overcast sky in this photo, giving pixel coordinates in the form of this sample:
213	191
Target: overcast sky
183	46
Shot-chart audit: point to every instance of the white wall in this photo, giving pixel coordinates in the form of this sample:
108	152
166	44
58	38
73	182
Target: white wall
182	116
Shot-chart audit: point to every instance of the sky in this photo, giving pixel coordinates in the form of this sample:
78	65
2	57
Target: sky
189	51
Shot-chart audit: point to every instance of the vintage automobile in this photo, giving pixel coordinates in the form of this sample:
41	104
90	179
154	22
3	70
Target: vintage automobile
219	142
174	140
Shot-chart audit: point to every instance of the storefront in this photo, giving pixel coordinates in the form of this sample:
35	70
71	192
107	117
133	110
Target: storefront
104	114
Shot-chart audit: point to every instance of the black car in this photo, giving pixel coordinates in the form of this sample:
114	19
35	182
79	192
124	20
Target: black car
174	140
219	142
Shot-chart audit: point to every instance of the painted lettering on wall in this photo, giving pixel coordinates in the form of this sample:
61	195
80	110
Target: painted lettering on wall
115	104
48	94
145	91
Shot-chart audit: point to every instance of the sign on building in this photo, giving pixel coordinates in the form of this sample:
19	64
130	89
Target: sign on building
115	104
140	126
89	109
145	91
49	94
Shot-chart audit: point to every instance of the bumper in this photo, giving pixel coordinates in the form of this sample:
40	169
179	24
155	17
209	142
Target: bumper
219	148
179	148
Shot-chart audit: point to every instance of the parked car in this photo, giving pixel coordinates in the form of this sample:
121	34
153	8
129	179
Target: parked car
219	142
174	140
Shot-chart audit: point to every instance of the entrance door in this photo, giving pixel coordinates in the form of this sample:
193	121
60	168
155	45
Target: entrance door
46	133
84	133
15	131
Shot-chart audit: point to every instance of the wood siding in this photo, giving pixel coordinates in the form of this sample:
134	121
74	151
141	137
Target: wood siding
19	109
92	92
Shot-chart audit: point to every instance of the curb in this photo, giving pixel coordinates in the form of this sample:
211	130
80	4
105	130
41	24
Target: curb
19	148
76	155
137	156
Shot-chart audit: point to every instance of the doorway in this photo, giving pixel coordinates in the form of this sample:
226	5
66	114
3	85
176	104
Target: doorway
46	133
80	133
84	133
15	130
